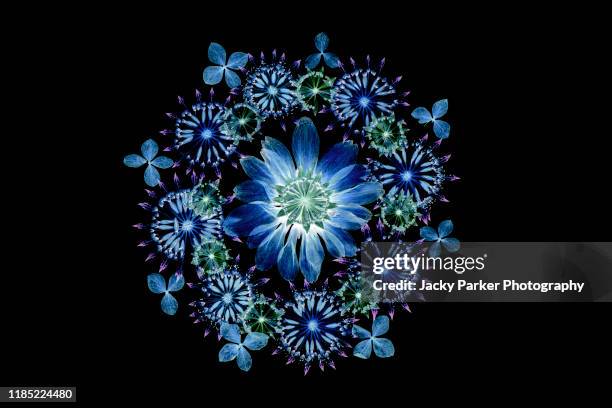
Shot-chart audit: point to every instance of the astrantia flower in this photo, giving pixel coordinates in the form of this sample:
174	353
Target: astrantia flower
440	237
270	88
214	74
398	210
149	150
225	296
331	60
237	349
383	348
306	200
157	284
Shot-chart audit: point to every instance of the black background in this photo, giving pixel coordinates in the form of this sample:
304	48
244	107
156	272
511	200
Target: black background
527	139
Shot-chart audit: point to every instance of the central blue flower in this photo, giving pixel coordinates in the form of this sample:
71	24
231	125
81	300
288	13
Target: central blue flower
297	201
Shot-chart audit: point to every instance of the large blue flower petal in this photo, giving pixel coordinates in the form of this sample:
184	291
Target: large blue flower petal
360	332
216	53
380	326
383	348
268	250
311	256
162	162
237	60
338	157
213	75
287	257
151	176
250	191
228	352
350	249
445	228
156	283
169	305
312	61
134	160
363	349
346	220
244	359
241	221
358	211
261	232
230	332
255	341
279	148
279	169
149	149
257	170
232	79
347	177
428	234
363	193
305	145
333	244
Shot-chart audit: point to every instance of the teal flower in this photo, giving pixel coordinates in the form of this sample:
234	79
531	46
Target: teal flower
149	150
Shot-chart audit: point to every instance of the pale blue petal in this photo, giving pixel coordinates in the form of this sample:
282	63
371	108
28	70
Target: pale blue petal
250	191
237	60
348	177
228	352
216	54
277	147
451	244
278	168
333	244
338	157
230	332
176	282
261	232
312	61
360	332
445	228
232	79
422	115
350	249
151	176
305	145
287	257
434	250
257	170
441	129
439	108
244	359
213	75
241	221
363	349
311	256
162	162
149	149
255	341
383	348
134	160
380	326
363	193
268	250
346	220
331	60
357	210
428	234
321	42
156	283
169	305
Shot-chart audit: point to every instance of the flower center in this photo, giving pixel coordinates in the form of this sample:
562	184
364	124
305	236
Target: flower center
304	201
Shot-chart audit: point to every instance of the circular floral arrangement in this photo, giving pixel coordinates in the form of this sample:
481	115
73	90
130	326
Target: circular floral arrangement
268	192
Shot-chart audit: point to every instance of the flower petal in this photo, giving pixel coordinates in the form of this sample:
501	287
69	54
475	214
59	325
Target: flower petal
321	42
333	244
422	115
213	75
232	79
428	234
441	129
363	349
268	250
237	60
278	158
257	170
149	149
134	160
383	348
434	250
357	210
305	145
360	332
162	162
250	191
287	261
380	325
151	176
169	305
241	221
261	232
228	352
451	244
230	332
350	249
255	341
338	157
244	359
347	177
439	108
331	60
216	53
363	193
156	283
311	256
176	282
445	228
312	61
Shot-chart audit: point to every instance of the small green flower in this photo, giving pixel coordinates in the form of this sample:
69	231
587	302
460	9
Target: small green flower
314	90
206	199
398	210
386	135
211	255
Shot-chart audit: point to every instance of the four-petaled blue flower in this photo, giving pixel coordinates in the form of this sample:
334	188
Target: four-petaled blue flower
439	109
383	348
331	60
149	151
157	284
308	199
441	237
213	74
237	349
